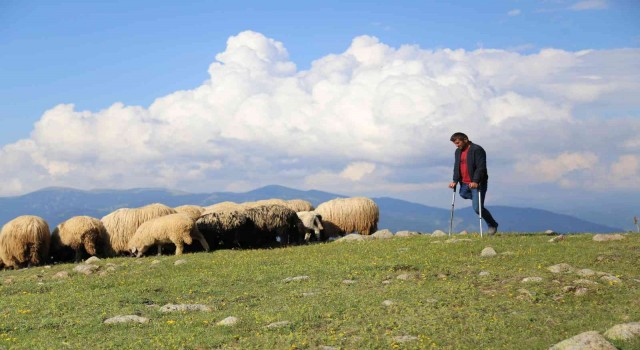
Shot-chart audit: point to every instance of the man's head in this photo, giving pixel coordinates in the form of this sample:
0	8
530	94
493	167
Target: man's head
460	140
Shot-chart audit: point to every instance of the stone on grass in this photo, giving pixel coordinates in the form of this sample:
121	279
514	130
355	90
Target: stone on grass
404	276
184	307
531	279
92	260
625	331
180	262
484	273
387	302
295	279
229	321
457	240
278	324
580	291
591	340
550	232
463	232
406	233
438	233
405	338
585	272
126	319
86	269
557	239
348	281
585	281
352	237
61	274
602	237
611	279
382	234
561	268
488	252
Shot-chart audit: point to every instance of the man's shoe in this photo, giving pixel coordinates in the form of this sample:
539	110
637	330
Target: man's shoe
492	230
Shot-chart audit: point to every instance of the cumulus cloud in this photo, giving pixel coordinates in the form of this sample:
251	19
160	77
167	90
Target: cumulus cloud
371	120
514	12
590	5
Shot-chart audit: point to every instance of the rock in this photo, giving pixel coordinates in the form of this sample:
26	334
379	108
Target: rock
586	282
388	302
550	232
591	340
557	239
294	279
406	233
382	234
86	269
278	324
180	262
484	273
348	281
611	279
463	232
602	237
580	291
229	321
404	276
184	307
561	268
625	331
488	252
353	237
456	240
405	338
61	274
91	260
126	318
531	279
308	294
585	272
439	233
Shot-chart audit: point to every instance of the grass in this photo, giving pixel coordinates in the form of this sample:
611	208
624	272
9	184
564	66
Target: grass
444	302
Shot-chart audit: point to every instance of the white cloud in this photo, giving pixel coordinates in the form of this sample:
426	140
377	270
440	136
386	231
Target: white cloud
590	5
362	121
514	12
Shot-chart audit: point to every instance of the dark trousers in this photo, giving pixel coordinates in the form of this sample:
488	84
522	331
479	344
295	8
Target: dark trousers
472	193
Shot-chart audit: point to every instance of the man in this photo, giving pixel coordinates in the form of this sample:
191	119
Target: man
470	170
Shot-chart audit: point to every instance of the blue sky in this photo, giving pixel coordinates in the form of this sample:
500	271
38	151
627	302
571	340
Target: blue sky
569	67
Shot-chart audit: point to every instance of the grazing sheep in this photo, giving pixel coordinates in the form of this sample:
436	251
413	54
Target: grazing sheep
193	211
175	228
222	206
276	223
227	228
78	233
24	241
347	215
299	205
272	201
122	224
312	223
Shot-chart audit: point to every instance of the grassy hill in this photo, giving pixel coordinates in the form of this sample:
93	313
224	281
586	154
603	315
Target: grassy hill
402	293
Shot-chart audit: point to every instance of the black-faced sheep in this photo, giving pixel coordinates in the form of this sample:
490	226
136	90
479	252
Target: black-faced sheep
78	235
193	211
227	229
177	228
347	215
24	241
122	224
312	223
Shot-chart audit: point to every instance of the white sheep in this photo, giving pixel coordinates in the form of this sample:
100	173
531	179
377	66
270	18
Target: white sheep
312	223
177	228
347	215
24	242
79	233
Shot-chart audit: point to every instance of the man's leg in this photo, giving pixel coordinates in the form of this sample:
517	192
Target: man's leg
486	215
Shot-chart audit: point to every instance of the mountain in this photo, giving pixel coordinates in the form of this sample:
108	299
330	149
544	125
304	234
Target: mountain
56	204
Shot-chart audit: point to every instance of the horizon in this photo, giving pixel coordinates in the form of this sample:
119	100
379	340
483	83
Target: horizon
360	99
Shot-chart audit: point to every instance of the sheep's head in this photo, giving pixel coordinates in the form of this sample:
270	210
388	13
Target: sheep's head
138	252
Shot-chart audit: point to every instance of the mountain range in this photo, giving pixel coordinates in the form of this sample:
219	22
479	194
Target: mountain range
56	204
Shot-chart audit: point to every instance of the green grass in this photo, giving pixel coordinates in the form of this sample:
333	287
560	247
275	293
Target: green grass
445	303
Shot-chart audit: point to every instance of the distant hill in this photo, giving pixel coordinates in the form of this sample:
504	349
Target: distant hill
57	204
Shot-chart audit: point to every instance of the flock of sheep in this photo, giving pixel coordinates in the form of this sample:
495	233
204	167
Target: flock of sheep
26	240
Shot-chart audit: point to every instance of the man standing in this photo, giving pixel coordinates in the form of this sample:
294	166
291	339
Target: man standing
470	170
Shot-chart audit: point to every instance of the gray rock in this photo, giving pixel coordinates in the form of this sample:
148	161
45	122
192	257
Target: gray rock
382	234
295	279
278	324
404	276
463	232
488	252
484	273
92	260
229	321
580	291
126	319
61	275
601	237
561	268
625	331
388	302
352	237
532	279
611	279
348	281
550	232
557	239
405	338
439	233
86	269
184	307
591	340
406	233
585	272
180	262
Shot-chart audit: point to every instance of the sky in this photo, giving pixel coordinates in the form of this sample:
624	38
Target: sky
350	97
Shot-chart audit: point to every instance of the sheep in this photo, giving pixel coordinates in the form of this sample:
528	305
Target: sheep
275	223
227	228
312	222
177	228
194	211
346	215
24	241
299	205
272	201
79	233
222	206
122	224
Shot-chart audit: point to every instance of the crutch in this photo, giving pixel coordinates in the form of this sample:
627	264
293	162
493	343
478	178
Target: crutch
453	203
480	208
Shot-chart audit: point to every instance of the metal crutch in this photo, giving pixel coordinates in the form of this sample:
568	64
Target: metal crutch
453	203
480	208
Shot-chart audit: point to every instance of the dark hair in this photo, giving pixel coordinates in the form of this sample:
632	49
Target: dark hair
458	136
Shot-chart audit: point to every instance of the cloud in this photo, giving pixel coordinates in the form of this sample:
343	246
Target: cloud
590	5
514	12
372	120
